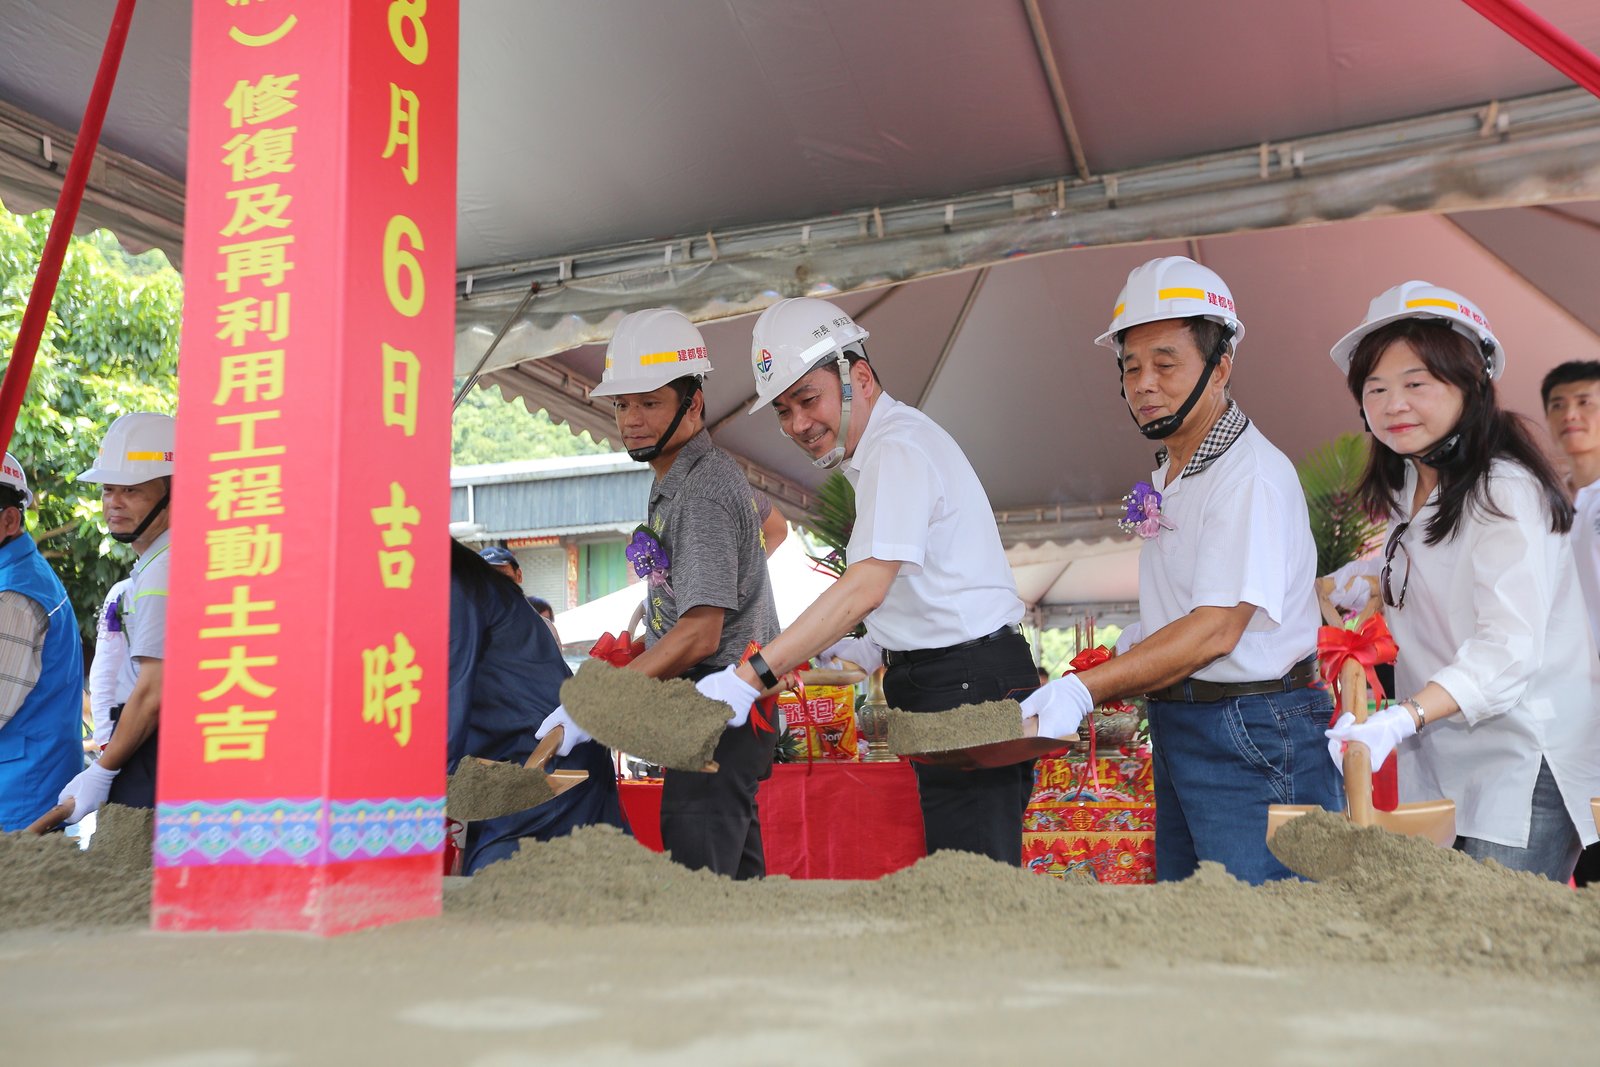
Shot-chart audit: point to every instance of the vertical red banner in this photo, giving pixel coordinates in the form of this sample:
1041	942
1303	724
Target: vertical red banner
303	715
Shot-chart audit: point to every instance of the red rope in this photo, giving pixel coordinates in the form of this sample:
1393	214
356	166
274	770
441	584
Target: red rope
1543	39
20	369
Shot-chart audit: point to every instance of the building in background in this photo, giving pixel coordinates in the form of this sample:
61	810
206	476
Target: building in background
567	519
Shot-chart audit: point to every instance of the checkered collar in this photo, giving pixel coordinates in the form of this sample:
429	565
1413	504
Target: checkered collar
1218	440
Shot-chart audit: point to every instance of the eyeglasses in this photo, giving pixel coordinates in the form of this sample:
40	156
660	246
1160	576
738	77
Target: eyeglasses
1388	566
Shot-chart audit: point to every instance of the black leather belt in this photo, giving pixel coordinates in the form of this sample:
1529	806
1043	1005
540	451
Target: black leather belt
891	658
1197	691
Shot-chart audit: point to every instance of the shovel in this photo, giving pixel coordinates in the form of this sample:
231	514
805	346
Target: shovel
52	819
1432	819
544	752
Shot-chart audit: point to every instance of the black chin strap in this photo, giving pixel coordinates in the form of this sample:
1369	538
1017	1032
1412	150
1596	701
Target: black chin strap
1447	451
138	531
650	452
1164	427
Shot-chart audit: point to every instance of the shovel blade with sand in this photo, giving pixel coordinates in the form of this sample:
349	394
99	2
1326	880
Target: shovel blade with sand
488	789
970	737
1431	819
662	721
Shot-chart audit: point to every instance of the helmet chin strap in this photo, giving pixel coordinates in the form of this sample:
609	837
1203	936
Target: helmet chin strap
138	531
650	452
1448	450
835	455
1164	427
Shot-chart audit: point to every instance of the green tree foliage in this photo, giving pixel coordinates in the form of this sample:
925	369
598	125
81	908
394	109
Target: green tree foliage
1340	526
111	347
488	429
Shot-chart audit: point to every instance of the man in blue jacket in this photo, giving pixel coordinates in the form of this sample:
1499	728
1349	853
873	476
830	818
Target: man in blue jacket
41	667
506	672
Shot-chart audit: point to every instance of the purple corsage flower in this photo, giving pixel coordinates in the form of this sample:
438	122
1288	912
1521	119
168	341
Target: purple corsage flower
1143	515
649	559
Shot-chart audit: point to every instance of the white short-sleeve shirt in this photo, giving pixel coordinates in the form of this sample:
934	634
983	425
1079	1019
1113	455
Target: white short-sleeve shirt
1494	617
144	613
1586	552
919	503
1241	535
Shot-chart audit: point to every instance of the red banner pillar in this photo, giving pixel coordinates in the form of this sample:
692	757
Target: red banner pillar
304	709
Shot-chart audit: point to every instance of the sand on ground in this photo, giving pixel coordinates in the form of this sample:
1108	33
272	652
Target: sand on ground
591	949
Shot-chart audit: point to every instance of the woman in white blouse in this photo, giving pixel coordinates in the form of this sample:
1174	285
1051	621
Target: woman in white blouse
1480	589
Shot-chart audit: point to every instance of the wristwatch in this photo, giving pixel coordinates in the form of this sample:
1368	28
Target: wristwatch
758	664
1422	716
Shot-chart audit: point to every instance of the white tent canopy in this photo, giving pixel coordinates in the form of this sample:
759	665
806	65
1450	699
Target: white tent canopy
972	179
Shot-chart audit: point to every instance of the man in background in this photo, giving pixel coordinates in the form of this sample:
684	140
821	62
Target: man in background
41	667
1571	395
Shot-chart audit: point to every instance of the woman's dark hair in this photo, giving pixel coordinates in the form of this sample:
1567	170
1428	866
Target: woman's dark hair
1487	432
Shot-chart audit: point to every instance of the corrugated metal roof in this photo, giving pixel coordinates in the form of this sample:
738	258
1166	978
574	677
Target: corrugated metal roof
581	495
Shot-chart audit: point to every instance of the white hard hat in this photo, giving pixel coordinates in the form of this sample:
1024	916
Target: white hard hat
137	448
11	474
1173	287
793	336
1424	300
650	349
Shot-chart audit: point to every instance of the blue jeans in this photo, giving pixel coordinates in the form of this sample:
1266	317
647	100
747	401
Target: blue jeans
1219	765
1553	842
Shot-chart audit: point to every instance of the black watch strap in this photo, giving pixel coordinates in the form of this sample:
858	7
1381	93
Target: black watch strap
758	664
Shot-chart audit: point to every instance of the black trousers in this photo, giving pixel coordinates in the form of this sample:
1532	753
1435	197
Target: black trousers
710	821
135	786
970	811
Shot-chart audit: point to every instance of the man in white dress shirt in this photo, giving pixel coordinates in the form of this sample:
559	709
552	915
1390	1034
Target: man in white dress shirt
926	571
1571	395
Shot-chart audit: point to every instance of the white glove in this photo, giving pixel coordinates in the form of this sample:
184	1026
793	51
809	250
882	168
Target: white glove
572	734
862	651
728	687
1380	733
87	791
1130	636
1060	705
1350	587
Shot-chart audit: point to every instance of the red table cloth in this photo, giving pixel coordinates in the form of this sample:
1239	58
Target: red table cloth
818	820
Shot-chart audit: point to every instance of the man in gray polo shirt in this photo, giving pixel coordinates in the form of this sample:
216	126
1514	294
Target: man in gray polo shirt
707	594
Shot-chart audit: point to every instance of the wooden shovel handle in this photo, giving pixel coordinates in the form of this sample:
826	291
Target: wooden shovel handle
1358	783
52	819
546	749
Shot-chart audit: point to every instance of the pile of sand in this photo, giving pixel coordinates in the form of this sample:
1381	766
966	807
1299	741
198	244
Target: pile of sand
915	733
665	722
47	881
1385	899
480	790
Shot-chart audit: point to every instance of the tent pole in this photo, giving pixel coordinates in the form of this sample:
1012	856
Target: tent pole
505	328
31	330
1543	39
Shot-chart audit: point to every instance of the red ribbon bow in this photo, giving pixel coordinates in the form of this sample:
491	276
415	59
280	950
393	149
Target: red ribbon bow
1369	645
616	649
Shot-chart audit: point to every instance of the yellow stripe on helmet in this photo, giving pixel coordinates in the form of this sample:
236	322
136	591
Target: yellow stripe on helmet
650	359
1432	302
1181	294
156	456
